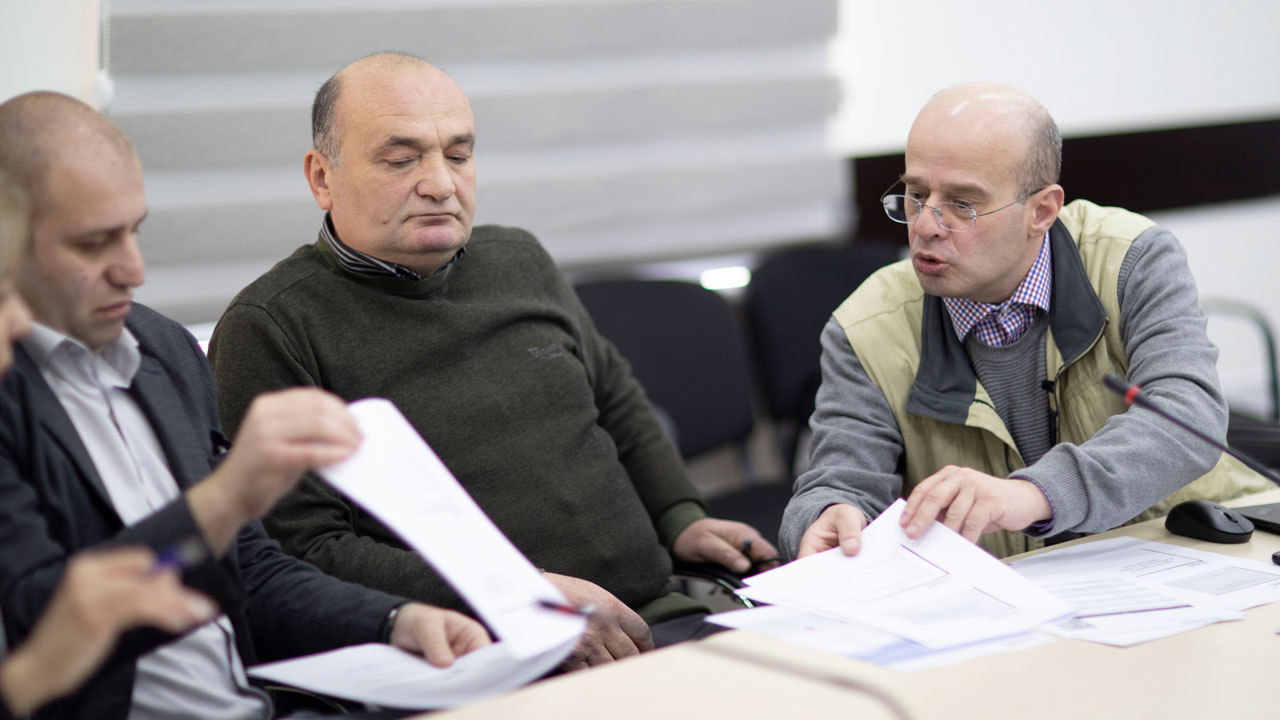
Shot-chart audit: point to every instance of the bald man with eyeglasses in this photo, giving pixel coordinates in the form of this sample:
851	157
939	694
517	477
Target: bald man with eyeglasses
968	378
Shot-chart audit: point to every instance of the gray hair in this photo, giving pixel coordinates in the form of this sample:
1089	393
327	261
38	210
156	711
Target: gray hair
324	130
1041	164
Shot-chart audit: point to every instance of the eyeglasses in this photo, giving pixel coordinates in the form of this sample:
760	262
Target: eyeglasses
956	217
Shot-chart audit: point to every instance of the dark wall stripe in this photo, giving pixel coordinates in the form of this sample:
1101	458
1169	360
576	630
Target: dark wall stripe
1144	172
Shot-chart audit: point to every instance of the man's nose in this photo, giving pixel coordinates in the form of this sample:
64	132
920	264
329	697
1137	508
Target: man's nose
436	181
928	223
127	268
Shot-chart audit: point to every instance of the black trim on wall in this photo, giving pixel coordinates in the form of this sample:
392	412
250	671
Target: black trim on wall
1143	172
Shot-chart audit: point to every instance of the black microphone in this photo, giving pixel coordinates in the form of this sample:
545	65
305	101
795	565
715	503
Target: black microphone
1132	395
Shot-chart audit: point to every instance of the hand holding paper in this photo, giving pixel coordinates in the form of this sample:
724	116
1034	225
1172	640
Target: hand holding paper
971	503
838	526
938	590
438	634
398	479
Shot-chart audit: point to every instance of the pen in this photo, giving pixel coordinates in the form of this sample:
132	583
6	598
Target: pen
581	610
186	554
755	564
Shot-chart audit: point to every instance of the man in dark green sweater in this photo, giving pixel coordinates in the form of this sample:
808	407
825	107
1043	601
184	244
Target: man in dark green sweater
487	352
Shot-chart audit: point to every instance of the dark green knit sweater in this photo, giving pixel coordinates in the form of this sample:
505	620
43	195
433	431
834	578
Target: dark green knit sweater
498	366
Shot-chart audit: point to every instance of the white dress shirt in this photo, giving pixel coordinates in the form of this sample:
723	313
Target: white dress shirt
200	674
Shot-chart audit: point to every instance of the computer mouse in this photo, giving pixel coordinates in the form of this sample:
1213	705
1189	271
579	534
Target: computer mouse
1207	520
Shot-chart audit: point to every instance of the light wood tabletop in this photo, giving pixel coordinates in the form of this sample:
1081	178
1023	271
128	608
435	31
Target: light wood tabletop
1229	670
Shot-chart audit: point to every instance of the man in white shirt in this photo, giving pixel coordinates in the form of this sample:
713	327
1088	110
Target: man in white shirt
109	435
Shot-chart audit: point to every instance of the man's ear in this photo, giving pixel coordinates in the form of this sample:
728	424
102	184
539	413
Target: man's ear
316	167
1045	207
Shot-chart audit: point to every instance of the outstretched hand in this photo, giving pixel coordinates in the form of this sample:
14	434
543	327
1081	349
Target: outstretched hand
972	502
838	526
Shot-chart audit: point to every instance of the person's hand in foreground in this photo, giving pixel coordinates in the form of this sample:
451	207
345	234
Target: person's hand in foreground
614	631
283	435
972	502
734	545
838	526
440	635
102	594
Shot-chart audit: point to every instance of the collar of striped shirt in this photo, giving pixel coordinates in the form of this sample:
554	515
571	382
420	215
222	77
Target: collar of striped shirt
1005	323
365	264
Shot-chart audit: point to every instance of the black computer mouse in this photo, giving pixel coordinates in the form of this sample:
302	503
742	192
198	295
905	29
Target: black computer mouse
1207	520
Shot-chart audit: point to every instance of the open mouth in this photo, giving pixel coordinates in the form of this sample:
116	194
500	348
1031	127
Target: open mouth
927	264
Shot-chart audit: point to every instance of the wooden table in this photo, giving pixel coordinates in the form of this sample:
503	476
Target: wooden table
1228	670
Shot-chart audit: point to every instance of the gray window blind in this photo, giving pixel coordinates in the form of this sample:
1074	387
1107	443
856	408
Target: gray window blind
615	130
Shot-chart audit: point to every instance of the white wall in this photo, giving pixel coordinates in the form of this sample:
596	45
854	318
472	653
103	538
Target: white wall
1234	251
48	45
1100	66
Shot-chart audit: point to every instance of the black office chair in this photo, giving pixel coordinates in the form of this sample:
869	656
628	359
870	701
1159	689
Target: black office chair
791	297
685	348
1257	435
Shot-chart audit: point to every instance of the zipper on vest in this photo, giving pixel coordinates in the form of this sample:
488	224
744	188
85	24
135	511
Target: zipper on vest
1055	397
1050	386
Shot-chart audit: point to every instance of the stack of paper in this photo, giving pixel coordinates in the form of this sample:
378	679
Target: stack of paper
902	598
399	480
1128	591
911	604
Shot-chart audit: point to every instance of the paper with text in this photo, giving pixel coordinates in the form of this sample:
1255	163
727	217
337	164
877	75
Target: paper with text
938	590
1129	591
1186	574
382	675
398	479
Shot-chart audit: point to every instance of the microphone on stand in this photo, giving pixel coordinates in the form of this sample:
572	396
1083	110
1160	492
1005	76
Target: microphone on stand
1199	519
1132	395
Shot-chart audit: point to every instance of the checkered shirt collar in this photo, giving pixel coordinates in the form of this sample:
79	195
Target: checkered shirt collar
1005	323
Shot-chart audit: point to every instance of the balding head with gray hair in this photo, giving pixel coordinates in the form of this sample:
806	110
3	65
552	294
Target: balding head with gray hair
324	126
1040	161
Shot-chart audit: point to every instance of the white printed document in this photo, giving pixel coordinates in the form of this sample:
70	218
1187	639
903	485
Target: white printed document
386	676
398	479
860	641
938	590
1190	575
1128	591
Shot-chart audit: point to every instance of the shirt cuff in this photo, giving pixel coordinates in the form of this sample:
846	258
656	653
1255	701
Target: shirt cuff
389	623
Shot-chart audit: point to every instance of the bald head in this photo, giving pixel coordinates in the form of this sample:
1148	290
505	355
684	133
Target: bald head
13	224
45	131
326	111
998	115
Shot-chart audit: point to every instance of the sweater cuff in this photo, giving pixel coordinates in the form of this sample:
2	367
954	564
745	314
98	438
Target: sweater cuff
1039	528
676	518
